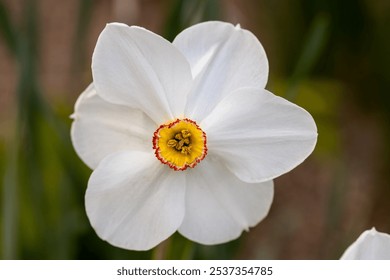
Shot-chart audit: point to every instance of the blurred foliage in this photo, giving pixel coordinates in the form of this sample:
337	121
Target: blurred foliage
43	185
185	13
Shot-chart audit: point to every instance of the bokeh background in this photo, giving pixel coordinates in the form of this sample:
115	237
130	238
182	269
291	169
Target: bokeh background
331	57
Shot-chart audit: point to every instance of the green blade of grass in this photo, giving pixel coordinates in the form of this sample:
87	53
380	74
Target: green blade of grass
312	49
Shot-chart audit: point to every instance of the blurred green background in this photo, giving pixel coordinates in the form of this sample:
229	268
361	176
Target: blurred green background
331	57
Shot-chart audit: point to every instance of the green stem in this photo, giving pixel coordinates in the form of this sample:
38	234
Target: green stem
10	205
313	48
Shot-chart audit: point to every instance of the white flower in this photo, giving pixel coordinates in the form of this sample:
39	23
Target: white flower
371	245
198	105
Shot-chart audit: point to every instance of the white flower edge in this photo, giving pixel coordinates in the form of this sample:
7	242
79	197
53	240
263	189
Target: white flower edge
126	206
261	136
99	128
135	67
219	206
206	46
371	245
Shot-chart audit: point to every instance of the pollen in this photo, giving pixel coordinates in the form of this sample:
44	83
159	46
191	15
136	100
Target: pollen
180	144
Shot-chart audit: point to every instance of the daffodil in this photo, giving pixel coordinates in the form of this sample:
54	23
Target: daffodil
183	136
371	245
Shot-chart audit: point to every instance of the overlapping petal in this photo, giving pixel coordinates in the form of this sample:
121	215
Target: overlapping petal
258	135
219	206
371	245
134	202
135	67
223	58
101	128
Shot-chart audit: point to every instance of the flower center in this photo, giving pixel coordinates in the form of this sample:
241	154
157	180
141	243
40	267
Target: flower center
180	144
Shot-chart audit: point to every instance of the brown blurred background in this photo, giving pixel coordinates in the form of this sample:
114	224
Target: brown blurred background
331	57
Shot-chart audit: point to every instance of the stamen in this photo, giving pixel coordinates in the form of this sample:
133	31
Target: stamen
178	136
172	143
185	133
186	150
181	141
179	145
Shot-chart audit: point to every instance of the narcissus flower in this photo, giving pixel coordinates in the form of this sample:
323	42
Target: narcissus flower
371	245
183	136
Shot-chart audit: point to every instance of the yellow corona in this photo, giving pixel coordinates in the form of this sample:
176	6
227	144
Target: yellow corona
180	144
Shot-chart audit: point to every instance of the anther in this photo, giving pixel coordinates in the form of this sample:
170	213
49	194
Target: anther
180	145
185	133
186	150
178	136
172	143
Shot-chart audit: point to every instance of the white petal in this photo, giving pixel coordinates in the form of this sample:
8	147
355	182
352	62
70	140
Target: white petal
258	135
223	58
371	245
219	206
101	128
136	67
133	201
